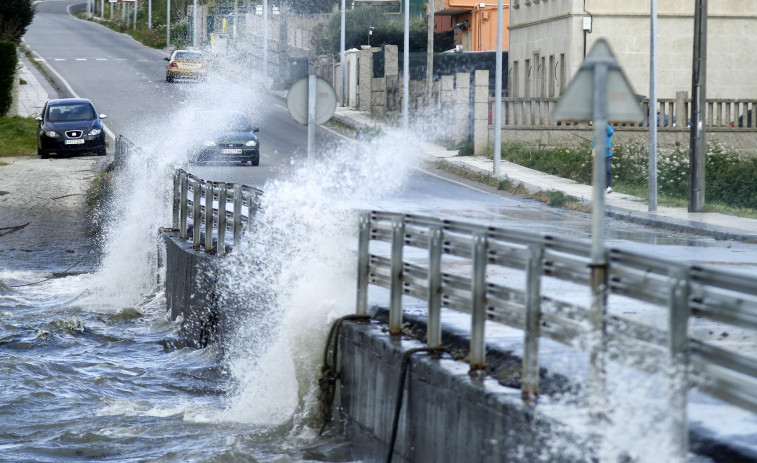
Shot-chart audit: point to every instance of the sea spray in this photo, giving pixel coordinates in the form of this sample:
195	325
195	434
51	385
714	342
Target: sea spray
296	275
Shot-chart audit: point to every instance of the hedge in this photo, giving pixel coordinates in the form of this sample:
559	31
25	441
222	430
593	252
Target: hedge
8	63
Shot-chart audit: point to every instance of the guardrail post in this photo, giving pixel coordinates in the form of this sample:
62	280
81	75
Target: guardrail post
183	206
598	340
208	216
532	332
478	298
434	336
176	199
395	304
237	216
196	219
221	243
363	263
252	210
678	381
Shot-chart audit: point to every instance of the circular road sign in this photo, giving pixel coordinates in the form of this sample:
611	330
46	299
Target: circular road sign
325	102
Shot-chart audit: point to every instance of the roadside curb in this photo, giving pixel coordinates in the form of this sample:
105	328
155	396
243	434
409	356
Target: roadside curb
722	230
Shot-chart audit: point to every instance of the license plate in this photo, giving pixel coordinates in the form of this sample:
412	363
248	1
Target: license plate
190	66
75	142
232	151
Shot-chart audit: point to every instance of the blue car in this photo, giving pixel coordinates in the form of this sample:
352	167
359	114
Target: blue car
70	126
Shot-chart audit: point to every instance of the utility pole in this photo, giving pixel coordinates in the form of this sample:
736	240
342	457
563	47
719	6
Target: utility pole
406	70
653	108
168	24
698	104
342	64
430	52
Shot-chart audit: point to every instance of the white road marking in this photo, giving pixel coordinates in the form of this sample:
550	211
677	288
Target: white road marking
74	94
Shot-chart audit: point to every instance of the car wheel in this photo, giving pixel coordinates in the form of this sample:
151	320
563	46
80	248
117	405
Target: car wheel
43	154
169	79
101	152
255	161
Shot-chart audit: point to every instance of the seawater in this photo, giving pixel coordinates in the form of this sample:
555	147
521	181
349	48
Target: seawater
84	381
92	366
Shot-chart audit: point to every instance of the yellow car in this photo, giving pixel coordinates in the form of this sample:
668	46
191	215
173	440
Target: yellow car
186	64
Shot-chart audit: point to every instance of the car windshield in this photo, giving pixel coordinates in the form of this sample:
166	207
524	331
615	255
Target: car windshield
70	112
221	122
188	55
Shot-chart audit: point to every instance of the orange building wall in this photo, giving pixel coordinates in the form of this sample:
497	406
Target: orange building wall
484	29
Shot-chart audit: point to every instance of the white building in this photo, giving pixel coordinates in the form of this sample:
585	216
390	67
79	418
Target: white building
548	42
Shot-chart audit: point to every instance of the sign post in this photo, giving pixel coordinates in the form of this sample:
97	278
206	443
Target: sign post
600	93
311	101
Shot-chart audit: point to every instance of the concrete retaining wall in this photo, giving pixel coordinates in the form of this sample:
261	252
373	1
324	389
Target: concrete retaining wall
447	416
191	291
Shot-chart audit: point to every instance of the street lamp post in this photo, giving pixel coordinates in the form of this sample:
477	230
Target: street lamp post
168	24
498	95
194	25
653	108
265	41
406	69
342	64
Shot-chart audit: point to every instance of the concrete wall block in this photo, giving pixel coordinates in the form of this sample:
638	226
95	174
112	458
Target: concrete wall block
446	416
448	83
480	138
481	112
391	60
365	77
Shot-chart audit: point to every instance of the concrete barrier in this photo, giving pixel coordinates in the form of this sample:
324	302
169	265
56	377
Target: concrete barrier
447	415
191	291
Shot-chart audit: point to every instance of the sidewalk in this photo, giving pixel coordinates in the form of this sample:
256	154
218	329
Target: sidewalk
35	92
619	205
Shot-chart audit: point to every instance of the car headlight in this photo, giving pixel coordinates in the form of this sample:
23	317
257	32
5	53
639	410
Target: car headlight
251	143
52	134
208	143
94	132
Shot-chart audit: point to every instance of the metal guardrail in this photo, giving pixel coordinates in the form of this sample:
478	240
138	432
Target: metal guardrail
124	149
685	291
206	205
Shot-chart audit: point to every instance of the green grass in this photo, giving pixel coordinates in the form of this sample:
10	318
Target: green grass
18	136
731	183
551	197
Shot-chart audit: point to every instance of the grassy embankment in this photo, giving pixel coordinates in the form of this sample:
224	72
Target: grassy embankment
731	179
18	136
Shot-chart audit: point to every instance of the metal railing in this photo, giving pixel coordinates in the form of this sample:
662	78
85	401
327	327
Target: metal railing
684	291
672	113
124	149
213	208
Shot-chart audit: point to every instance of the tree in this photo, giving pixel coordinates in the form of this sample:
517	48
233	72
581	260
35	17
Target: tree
15	17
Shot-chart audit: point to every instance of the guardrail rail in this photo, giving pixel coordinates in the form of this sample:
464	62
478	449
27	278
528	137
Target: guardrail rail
213	207
684	291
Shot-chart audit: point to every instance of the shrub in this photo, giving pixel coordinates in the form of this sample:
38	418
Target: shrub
15	17
730	179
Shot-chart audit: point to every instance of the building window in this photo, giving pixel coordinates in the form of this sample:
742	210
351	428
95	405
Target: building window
562	74
543	78
551	82
514	78
527	79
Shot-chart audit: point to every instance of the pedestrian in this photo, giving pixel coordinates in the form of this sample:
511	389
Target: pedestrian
608	158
